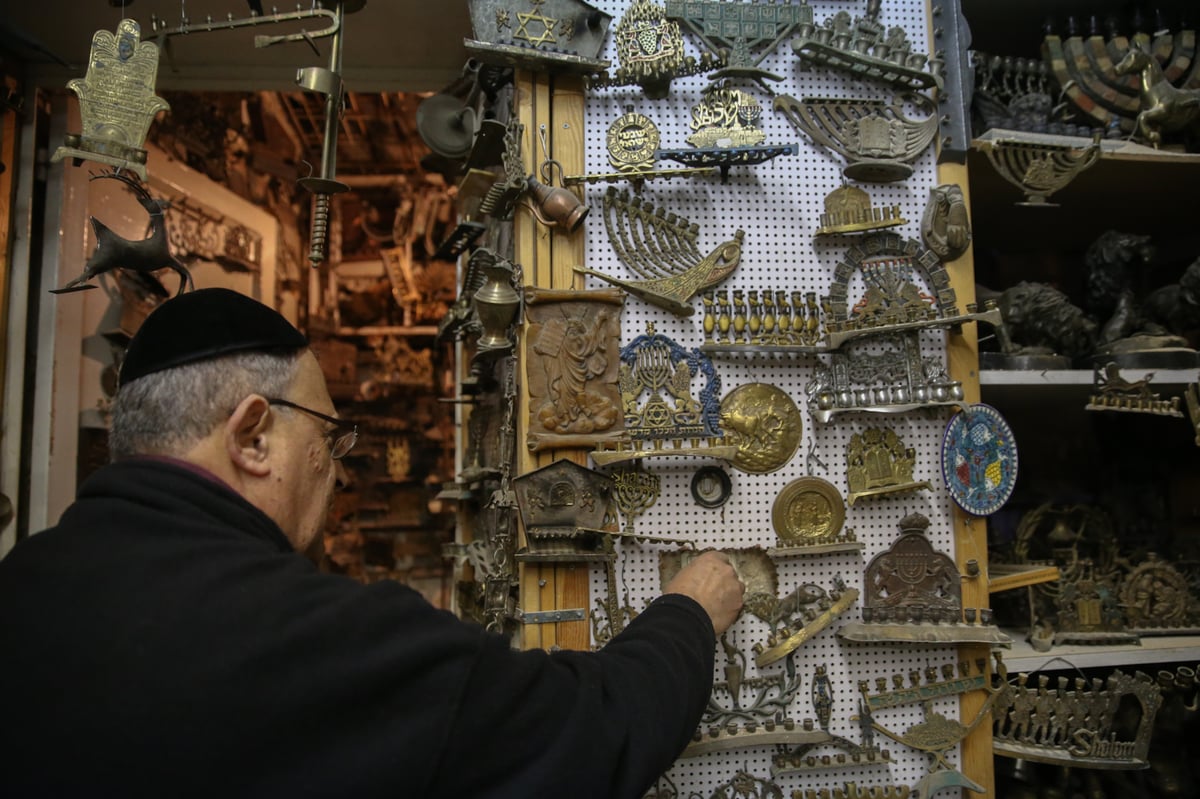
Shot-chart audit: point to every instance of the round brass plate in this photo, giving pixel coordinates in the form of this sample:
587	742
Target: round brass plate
808	511
764	424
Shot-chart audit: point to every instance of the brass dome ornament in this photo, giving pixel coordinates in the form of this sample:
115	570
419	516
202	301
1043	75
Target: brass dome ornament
848	210
765	425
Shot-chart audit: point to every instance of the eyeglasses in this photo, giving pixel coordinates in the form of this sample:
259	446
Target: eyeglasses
341	438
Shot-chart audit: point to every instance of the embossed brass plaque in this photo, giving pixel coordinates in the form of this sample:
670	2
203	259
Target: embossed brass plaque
808	511
763	422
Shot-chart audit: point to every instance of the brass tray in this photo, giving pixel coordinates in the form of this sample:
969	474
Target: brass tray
765	425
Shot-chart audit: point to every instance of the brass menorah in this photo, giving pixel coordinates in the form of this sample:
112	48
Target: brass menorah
770	317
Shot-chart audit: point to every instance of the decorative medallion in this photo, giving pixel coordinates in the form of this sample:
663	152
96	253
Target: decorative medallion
764	424
979	459
807	512
632	141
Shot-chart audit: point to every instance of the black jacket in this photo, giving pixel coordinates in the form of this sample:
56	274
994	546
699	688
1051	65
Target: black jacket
164	640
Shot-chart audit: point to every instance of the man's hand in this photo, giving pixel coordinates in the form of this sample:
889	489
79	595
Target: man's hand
711	581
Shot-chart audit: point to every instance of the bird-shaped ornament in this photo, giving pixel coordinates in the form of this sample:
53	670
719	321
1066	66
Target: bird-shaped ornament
661	248
114	251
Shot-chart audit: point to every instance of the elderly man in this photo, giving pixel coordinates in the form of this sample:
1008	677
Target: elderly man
165	638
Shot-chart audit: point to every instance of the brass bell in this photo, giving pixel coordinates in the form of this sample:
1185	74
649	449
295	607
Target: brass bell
555	206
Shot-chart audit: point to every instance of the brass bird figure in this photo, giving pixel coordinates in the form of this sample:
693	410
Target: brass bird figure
117	252
661	248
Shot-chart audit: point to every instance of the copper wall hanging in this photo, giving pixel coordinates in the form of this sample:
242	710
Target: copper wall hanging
912	592
661	248
865	49
670	421
807	516
1075	723
572	367
764	424
877	140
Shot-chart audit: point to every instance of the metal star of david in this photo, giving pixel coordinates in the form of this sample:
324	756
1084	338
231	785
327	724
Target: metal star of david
547	22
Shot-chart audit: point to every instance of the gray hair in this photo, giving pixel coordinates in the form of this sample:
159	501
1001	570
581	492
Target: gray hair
167	412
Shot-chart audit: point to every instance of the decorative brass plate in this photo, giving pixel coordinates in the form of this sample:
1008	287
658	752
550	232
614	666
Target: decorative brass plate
808	511
763	422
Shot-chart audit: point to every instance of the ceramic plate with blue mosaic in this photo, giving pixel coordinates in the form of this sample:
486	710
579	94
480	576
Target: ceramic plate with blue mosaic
979	459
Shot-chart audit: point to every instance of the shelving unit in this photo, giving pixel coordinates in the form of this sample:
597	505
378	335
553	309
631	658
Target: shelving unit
1151	650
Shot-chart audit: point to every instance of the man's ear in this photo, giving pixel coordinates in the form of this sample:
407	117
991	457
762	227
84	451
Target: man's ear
246	439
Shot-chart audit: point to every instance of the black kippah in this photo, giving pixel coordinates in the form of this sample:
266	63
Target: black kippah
206	324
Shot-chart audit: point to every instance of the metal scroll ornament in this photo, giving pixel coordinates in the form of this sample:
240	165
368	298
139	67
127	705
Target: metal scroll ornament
1039	170
877	140
661	249
117	103
979	459
764	424
669	416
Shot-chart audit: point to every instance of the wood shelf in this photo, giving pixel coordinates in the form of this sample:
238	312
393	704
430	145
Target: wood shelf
1151	650
1007	576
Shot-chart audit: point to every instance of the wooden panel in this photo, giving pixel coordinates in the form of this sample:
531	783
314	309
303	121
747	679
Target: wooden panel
8	157
553	108
970	533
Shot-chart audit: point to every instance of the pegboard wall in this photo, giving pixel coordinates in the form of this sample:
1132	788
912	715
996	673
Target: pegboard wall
778	204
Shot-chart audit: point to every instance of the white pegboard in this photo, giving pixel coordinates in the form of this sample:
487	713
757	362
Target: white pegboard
778	205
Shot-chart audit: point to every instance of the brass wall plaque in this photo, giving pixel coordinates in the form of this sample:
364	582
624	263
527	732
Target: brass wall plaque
808	511
764	424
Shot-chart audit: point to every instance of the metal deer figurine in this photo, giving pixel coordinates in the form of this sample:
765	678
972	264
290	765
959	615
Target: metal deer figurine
117	252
